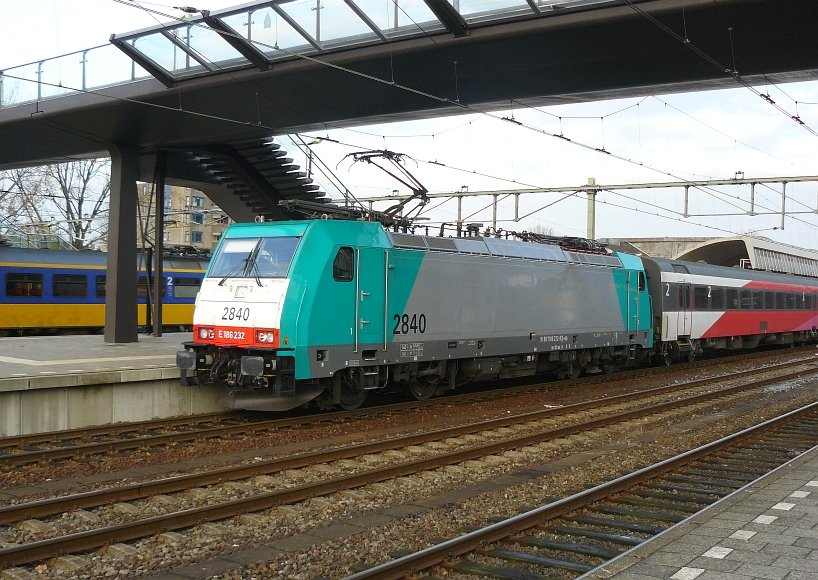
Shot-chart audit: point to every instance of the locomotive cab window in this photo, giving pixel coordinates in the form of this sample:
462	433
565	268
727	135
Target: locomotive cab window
642	284
343	266
254	257
25	285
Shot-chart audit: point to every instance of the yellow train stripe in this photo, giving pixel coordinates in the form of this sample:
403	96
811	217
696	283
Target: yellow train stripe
81	315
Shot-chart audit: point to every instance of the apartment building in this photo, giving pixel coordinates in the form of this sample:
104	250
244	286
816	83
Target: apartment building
191	219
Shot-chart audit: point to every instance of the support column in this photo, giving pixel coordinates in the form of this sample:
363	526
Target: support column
121	283
159	241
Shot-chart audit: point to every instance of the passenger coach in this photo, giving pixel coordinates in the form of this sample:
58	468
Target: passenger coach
698	307
47	291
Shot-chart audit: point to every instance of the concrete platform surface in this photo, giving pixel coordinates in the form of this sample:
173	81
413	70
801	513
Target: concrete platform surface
766	530
32	356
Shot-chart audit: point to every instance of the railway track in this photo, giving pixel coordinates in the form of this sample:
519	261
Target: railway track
374	462
26	449
577	534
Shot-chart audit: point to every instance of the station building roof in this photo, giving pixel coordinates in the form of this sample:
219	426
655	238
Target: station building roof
757	253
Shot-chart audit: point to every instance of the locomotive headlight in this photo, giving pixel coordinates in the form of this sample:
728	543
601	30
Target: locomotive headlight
265	336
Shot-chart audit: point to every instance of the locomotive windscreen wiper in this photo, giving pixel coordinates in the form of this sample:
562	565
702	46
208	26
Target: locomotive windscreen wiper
256	272
240	266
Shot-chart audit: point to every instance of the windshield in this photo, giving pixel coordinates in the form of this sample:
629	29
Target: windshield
253	258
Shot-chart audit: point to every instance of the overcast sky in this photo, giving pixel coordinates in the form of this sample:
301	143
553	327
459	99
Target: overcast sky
713	134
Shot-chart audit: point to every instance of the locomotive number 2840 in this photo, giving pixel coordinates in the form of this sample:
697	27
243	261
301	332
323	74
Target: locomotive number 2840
233	313
406	324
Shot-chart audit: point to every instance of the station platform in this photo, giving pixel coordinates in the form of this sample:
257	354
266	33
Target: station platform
37	356
766	530
52	383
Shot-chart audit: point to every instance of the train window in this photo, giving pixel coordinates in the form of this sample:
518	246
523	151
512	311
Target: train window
101	286
799	301
769	300
344	264
26	285
186	287
717	299
684	296
701	297
790	301
808	302
758	299
746	300
732	299
70	285
142	287
642	284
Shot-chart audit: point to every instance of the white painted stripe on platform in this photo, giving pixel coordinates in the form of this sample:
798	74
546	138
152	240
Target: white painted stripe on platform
73	361
717	552
688	573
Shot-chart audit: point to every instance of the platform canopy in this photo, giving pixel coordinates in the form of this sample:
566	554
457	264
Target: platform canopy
755	253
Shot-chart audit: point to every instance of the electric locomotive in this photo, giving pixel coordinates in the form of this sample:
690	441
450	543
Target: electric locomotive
331	310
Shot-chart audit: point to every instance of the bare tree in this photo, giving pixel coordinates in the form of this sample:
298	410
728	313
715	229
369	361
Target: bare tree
545	230
69	199
85	187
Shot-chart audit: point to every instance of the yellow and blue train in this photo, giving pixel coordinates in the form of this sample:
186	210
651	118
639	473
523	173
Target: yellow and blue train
59	291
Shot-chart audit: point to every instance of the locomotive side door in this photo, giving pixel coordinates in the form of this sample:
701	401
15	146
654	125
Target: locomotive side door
370	299
685	317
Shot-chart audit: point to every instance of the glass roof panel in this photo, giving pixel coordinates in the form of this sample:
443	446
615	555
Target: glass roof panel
209	45
268	30
414	14
471	9
400	17
339	24
306	13
167	55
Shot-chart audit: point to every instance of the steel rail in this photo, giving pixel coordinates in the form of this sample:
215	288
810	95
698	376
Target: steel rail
33	456
141	490
434	555
92	539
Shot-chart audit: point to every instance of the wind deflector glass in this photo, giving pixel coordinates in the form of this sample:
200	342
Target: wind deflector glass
253	257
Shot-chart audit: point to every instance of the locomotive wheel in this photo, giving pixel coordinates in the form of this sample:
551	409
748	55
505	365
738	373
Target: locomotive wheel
609	368
421	390
351	397
571	372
